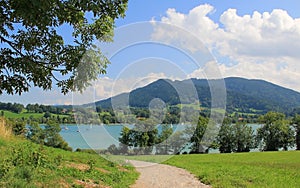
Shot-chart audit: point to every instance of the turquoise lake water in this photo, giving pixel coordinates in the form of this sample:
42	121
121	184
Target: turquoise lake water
96	136
101	137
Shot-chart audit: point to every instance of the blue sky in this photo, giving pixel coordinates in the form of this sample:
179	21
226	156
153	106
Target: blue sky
146	9
252	39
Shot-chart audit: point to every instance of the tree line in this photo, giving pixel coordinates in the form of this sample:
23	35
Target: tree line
13	107
277	132
64	114
34	108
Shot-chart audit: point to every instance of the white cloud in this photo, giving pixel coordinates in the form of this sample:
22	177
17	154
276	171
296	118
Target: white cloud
260	43
210	70
274	34
196	22
107	87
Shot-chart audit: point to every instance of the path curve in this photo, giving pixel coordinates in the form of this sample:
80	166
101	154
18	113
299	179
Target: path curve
164	176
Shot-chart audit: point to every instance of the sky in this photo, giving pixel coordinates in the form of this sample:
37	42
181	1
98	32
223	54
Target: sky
180	39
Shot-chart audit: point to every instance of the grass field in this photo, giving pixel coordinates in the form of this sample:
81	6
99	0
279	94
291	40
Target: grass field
9	114
261	169
255	169
25	164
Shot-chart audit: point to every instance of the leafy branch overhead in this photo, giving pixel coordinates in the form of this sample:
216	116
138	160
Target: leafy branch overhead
34	51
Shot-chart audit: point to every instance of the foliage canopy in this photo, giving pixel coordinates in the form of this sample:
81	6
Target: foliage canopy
276	132
34	53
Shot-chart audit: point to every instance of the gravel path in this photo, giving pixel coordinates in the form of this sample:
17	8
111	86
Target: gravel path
155	175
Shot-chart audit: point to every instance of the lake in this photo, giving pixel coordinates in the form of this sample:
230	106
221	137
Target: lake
93	136
102	136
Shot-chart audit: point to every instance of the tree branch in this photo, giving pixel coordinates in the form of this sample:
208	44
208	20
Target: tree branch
11	44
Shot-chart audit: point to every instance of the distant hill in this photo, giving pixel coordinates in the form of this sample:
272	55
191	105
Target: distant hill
243	95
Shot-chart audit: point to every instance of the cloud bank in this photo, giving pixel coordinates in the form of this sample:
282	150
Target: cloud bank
262	45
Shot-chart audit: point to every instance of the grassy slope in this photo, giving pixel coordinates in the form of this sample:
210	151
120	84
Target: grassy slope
264	169
24	164
9	114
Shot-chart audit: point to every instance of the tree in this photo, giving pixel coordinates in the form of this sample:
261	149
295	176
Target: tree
17	108
125	139
30	108
143	136
296	123
275	133
244	138
225	137
36	133
48	136
47	115
112	149
34	53
163	141
196	139
177	141
146	135
18	127
106	117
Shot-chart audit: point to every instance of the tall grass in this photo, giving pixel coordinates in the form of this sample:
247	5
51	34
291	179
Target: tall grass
5	132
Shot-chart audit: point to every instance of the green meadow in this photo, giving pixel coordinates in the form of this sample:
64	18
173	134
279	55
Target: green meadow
24	114
260	169
9	114
255	169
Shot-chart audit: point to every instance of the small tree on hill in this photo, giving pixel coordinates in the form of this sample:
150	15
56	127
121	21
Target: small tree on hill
17	127
48	136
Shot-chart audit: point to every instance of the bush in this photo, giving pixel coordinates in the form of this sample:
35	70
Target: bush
49	135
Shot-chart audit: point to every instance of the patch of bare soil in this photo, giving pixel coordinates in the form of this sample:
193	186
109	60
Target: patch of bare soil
89	184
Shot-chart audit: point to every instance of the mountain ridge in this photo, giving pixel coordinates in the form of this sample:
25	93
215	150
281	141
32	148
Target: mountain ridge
243	95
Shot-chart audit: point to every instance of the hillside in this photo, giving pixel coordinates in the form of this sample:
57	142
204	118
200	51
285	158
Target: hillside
243	95
25	164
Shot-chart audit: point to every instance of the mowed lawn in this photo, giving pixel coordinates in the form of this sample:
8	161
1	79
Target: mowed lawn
260	169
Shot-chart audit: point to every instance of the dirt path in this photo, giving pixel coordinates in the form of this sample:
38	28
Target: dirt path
155	175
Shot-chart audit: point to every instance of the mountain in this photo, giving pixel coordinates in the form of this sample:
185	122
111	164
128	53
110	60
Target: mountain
242	95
